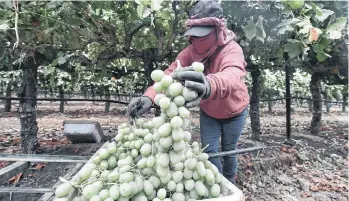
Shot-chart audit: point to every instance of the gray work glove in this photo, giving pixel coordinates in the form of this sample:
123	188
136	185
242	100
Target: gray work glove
195	81
138	106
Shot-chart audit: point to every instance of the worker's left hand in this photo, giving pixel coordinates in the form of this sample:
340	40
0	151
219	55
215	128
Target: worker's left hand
195	81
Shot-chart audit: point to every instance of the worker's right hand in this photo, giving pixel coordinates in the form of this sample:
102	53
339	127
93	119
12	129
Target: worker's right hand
138	106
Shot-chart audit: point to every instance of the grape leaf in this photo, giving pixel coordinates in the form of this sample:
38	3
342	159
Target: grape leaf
288	22
140	10
8	4
4	26
293	48
318	47
51	5
61	60
284	29
324	41
286	25
295	4
322	56
333	31
155	5
260	33
322	14
250	30
146	12
305	25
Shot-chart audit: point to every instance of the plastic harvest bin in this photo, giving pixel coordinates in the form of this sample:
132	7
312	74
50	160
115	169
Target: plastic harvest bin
229	191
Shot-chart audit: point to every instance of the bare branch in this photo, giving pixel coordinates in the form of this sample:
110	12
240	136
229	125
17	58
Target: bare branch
139	25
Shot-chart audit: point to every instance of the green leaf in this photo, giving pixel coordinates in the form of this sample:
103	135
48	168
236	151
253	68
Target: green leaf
288	22
284	29
280	53
61	60
322	56
334	30
54	62
318	47
293	49
260	33
48	70
250	30
322	14
4	26
8	4
295	4
287	25
140	10
152	39
51	5
305	25
324	41
146	12
166	15
155	5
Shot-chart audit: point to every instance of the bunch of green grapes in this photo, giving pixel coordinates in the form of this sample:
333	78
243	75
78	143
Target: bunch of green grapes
151	160
94	50
57	39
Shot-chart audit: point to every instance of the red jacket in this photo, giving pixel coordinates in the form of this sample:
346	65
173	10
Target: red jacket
226	72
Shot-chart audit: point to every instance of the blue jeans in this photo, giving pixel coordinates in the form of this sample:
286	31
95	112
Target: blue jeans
229	130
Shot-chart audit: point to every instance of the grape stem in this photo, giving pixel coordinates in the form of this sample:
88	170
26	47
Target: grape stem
178	67
111	183
90	182
204	148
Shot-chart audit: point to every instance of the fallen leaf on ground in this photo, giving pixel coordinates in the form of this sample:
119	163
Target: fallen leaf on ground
39	166
305	194
3	139
3	164
248	172
16	178
16	140
314	188
292	150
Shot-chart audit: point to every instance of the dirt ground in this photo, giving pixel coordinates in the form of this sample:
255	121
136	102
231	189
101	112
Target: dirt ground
314	169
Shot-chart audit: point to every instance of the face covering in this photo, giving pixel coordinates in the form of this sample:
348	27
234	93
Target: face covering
204	47
203	44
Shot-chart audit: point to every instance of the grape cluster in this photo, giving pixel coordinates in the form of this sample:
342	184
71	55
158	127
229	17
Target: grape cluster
151	160
57	39
94	50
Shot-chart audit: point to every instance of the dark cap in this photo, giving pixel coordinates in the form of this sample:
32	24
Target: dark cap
203	9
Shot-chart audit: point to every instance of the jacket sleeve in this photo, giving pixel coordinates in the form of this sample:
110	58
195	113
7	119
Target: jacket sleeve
230	77
184	59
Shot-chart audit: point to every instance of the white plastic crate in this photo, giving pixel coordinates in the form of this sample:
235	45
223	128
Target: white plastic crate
229	192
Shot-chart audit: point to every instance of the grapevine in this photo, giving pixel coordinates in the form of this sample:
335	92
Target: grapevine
150	160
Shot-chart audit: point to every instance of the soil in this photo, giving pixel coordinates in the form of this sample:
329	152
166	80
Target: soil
313	169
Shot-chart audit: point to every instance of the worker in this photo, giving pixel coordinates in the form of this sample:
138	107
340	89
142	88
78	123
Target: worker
223	96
